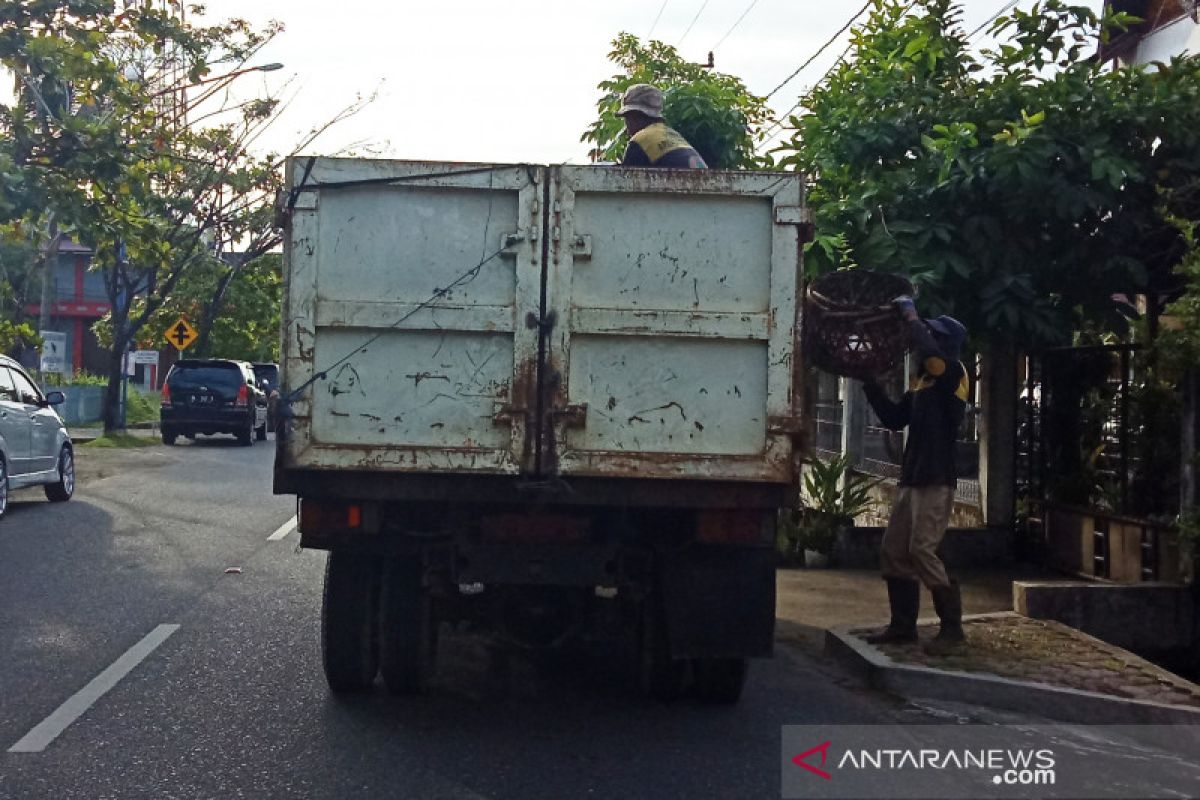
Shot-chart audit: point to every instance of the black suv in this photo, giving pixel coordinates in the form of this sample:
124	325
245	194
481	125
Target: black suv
213	396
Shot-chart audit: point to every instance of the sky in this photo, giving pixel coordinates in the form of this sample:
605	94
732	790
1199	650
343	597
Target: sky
512	81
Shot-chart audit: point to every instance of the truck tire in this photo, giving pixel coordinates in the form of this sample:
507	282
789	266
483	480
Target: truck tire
662	677
349	616
168	437
407	633
720	680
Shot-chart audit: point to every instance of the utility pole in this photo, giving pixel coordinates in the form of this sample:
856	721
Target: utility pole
49	264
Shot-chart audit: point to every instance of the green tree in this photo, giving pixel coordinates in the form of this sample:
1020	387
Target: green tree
712	110
1178	346
1019	187
247	328
105	136
15	335
19	280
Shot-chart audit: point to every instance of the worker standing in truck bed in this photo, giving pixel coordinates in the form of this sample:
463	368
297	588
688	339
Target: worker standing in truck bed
651	142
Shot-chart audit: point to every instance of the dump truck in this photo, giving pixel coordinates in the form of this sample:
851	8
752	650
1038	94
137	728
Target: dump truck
556	404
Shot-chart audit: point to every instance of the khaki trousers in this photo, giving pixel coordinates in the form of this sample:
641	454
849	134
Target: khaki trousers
920	515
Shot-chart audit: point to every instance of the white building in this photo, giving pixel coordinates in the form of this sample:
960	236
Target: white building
1168	28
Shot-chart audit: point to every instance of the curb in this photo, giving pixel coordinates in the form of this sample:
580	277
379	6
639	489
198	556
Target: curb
1055	702
90	434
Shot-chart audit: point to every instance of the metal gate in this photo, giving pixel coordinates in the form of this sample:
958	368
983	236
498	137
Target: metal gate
617	322
673	296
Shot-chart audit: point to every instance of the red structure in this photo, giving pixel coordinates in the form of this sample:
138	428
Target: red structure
79	300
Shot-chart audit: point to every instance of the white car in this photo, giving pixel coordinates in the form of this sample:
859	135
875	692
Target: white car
34	446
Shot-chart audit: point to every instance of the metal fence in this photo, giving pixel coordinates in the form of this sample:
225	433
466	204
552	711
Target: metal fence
1096	429
83	404
879	451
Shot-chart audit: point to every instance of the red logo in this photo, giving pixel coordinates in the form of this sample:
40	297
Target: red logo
823	749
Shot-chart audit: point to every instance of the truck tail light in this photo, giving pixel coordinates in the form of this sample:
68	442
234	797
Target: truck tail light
730	526
243	398
166	395
322	517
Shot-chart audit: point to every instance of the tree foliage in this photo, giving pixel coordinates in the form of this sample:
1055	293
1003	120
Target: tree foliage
247	327
712	110
1178	346
19	281
1020	187
105	142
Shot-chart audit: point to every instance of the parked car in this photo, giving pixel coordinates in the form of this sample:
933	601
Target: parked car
208	396
34	446
268	380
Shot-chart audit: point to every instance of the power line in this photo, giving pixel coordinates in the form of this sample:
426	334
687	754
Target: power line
657	17
992	18
703	6
821	49
782	118
779	122
733	27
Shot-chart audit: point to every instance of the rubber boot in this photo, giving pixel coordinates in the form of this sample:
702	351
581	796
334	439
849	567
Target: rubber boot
947	601
904	596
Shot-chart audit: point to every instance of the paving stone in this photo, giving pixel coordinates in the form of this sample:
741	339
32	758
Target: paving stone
1032	650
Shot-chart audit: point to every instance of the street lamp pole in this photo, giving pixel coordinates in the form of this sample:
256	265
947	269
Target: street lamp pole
181	108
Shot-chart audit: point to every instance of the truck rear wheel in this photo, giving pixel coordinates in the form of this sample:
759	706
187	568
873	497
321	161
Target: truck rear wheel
720	680
407	633
349	617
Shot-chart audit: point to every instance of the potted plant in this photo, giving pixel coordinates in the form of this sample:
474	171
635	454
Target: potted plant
833	496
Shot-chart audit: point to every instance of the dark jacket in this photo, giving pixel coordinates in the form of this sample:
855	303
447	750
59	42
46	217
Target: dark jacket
933	411
659	146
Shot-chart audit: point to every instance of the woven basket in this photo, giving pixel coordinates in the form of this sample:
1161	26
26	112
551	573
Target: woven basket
850	325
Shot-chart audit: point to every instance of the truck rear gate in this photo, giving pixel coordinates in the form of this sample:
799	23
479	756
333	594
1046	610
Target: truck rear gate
599	322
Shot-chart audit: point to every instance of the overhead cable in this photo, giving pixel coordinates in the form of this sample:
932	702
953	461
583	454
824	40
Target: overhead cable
992	18
733	27
691	24
779	122
657	17
820	50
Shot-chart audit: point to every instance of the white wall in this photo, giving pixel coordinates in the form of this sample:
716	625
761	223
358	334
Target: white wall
1177	38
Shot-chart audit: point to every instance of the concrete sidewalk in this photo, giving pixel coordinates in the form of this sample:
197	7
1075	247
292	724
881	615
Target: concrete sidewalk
811	601
1014	663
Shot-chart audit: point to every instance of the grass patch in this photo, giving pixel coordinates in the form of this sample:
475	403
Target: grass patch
121	440
141	407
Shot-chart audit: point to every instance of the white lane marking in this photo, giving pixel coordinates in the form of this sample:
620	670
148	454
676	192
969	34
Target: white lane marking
77	704
283	531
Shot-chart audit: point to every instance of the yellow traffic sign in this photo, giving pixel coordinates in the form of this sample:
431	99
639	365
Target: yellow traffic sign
181	334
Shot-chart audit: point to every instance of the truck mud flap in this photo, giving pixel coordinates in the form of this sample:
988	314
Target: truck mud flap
720	602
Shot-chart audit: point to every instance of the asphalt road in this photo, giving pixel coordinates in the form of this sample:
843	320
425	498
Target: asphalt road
232	702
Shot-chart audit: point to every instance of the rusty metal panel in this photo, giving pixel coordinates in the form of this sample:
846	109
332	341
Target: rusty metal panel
406	289
674	299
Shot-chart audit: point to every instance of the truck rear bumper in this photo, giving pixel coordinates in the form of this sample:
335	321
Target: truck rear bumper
476	490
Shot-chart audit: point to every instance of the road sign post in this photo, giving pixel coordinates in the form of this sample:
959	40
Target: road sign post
54	352
124	394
